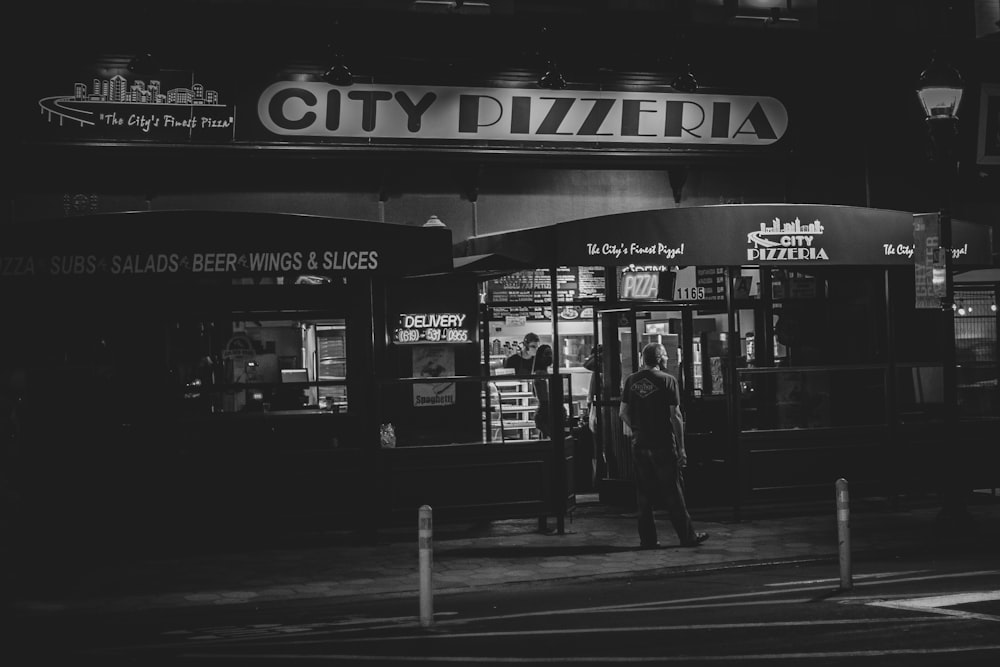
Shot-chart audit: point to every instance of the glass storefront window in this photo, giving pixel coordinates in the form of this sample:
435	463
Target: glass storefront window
919	393
976	352
262	364
772	399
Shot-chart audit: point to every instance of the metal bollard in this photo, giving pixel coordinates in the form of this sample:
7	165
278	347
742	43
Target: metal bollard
844	534
425	539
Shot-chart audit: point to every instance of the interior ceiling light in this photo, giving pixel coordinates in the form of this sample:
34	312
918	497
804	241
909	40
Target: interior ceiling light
143	65
338	74
552	78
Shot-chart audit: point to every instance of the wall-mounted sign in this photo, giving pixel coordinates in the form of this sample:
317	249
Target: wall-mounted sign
432	328
172	106
103	101
320	110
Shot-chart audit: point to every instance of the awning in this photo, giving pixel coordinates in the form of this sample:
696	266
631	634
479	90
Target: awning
489	266
979	276
220	244
732	235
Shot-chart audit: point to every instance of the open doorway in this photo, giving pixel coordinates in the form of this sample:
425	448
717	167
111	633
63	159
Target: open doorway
696	339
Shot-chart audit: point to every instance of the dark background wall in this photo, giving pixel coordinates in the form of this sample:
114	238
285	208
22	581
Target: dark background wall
845	69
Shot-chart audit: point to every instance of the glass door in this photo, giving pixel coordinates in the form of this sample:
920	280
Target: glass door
614	470
696	340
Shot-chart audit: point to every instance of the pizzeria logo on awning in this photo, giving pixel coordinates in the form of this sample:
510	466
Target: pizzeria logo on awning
789	241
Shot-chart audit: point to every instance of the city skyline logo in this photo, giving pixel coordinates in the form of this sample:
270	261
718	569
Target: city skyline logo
789	241
140	106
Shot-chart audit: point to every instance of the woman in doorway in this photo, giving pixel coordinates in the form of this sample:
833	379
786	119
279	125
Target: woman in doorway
543	366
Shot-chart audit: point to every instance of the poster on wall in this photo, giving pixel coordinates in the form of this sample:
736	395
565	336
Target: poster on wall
431	361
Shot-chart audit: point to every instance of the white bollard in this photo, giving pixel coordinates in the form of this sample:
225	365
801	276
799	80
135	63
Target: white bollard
425	539
844	534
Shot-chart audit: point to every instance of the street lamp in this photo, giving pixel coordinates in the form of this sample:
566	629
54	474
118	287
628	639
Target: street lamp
940	93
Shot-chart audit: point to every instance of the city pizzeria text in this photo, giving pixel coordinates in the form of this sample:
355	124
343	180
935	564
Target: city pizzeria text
413	112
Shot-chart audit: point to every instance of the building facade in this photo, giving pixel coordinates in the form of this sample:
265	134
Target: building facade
494	116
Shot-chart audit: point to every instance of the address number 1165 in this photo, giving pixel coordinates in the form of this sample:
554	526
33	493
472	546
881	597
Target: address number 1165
688	293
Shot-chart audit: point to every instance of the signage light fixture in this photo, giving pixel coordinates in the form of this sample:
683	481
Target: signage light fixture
450	7
338	74
685	81
552	78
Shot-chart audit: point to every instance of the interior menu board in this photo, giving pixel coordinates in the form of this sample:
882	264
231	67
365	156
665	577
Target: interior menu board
499	313
572	283
713	280
528	293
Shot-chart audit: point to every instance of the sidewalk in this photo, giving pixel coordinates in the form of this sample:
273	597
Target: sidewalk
599	541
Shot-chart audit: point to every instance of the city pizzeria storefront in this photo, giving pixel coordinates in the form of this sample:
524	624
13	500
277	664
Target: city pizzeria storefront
110	106
803	356
233	369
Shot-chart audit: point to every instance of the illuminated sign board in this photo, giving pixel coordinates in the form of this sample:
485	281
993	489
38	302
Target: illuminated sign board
314	109
432	328
640	285
646	283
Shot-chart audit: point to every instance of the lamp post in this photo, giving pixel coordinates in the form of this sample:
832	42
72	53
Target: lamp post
940	93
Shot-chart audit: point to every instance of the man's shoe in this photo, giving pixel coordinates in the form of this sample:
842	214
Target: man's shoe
649	545
698	539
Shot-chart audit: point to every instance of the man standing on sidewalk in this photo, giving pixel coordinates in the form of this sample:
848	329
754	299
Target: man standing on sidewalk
651	409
